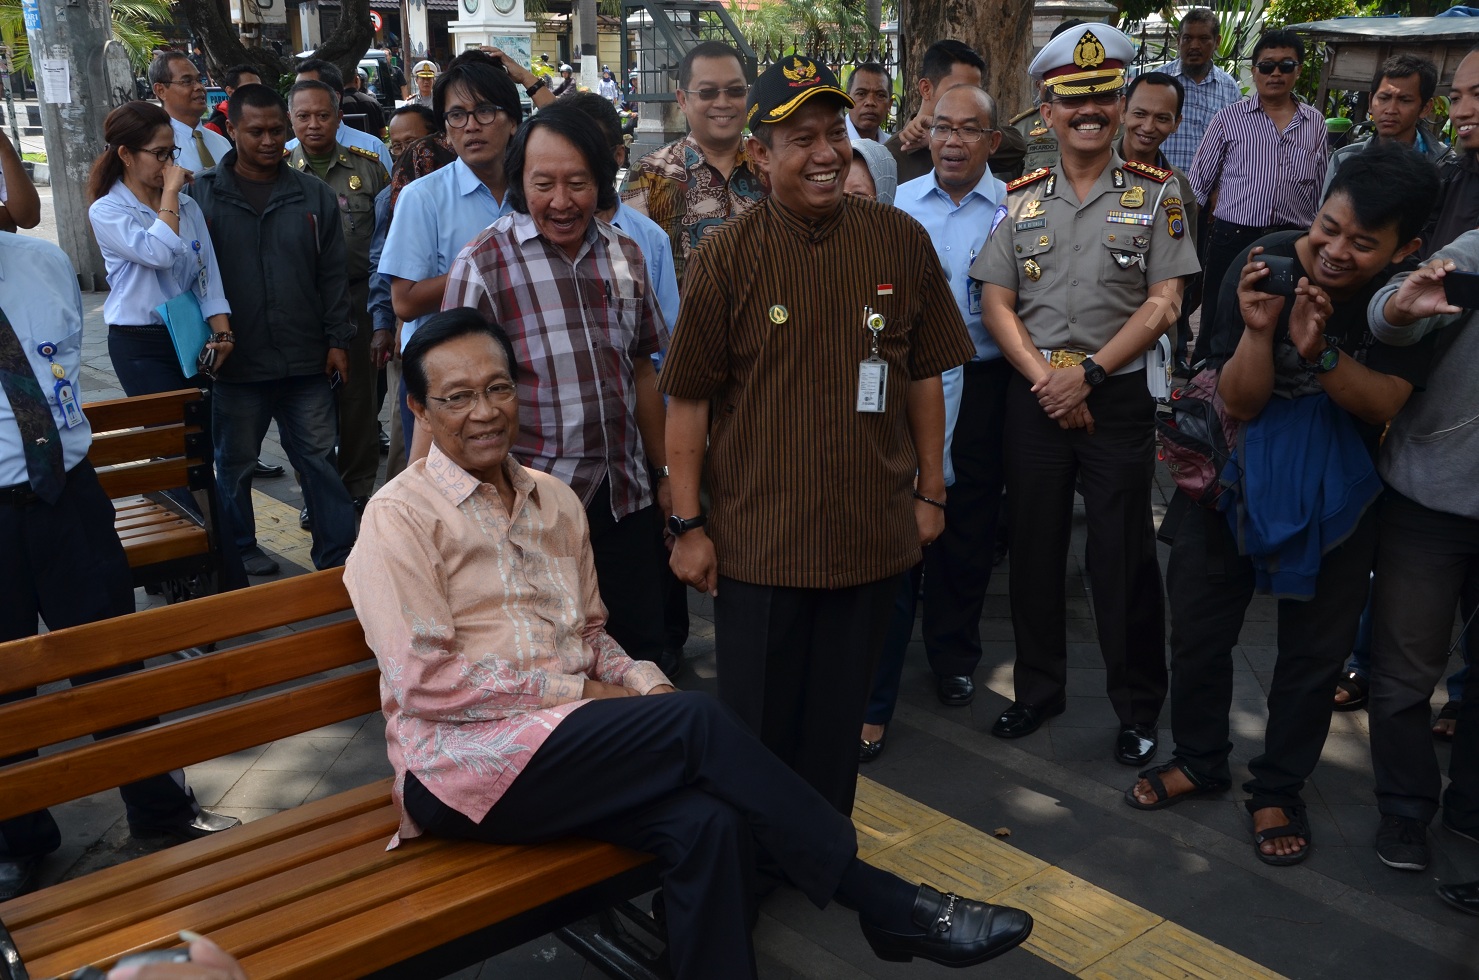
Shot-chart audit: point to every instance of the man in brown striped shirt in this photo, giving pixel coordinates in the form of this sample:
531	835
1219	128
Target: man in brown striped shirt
816	427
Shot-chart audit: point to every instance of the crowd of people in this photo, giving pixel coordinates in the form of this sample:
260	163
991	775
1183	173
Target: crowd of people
826	373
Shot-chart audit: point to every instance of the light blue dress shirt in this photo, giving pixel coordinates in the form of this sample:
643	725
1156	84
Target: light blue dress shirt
434	217
959	232
657	250
1203	100
217	144
148	264
349	136
39	294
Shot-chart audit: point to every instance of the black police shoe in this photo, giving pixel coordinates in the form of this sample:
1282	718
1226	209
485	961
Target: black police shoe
953	931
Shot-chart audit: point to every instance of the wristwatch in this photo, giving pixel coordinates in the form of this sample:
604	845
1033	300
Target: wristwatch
1093	373
1327	360
531	89
679	526
659	472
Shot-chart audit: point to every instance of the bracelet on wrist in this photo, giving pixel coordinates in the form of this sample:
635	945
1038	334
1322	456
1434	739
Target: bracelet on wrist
169	211
929	500
224	337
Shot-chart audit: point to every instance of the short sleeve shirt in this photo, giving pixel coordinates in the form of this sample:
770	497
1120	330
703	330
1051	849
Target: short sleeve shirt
1080	269
807	491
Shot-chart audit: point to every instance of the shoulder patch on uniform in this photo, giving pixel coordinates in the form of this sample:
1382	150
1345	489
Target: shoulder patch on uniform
1025	113
286	152
1146	170
1033	177
370	154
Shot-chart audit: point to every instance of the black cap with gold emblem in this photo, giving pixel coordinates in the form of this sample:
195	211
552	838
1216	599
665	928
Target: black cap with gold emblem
787	85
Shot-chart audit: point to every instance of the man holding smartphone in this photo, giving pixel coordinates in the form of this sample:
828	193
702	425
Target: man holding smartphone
1313	388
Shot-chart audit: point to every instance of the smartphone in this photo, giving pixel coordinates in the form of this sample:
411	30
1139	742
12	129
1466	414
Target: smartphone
335	380
1280	280
1462	289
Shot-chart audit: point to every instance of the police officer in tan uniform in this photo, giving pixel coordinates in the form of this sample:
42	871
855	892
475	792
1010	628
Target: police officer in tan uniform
1079	281
356	175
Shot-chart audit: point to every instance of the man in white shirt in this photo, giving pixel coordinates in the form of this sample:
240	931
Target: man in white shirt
179	88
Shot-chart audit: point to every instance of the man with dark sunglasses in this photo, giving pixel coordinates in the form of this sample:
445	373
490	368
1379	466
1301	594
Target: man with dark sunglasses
1259	168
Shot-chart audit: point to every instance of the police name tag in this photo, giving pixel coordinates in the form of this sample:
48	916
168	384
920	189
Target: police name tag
872	385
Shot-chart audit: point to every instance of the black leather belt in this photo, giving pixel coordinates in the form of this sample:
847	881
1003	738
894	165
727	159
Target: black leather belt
18	495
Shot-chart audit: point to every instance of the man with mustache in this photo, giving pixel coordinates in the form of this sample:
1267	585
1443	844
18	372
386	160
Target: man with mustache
1081	279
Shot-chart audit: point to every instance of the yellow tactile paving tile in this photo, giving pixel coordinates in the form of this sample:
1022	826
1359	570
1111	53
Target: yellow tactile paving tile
278	530
1077	923
954	857
1169	952
883	818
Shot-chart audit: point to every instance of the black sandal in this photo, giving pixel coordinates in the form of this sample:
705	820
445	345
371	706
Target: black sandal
1449	712
1200	786
1298	826
1356	687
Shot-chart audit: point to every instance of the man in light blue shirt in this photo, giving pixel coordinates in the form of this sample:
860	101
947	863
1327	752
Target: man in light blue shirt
1208	88
959	203
347	135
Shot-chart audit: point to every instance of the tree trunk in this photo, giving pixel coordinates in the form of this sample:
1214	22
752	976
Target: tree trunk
1000	30
210	21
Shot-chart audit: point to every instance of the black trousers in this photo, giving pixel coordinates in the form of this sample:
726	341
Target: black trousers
1210	586
796	666
1116	467
1427	566
958	564
63	563
677	776
1461	798
629	574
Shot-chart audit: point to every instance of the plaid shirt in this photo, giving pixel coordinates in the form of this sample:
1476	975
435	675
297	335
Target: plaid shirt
1203	99
577	326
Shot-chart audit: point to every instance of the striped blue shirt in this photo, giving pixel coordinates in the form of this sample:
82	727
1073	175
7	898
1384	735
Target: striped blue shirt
1262	176
1215	91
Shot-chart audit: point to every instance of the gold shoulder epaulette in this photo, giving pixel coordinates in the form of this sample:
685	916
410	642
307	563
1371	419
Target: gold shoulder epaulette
1022	115
1146	170
369	154
1026	179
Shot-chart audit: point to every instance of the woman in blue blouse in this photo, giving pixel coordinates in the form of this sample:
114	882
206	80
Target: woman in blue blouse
156	245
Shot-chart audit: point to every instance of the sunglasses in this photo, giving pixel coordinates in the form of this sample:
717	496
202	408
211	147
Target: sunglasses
1287	67
710	94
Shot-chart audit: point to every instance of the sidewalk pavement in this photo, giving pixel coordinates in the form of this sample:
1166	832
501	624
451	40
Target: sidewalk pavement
1054	797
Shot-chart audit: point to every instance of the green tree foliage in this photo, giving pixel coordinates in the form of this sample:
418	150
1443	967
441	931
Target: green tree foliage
133	25
804	25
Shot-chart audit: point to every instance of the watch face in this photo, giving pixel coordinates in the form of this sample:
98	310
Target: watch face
471	5
504	6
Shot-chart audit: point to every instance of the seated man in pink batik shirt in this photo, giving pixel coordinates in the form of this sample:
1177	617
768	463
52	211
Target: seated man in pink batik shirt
512	717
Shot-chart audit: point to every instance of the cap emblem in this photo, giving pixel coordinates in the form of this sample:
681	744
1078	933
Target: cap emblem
801	72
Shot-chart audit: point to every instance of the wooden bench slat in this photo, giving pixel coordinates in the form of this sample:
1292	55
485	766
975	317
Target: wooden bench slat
269	832
77	711
38	660
184	542
171	530
93	768
129	445
143	517
128	413
162	474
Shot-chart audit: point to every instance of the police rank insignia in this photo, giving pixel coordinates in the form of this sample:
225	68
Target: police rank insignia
1032	270
1039	131
1034	209
778	314
355	183
1175	221
1117	176
1133	198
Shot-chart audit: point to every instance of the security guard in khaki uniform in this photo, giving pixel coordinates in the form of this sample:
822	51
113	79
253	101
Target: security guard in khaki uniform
357	176
1042	144
1080	279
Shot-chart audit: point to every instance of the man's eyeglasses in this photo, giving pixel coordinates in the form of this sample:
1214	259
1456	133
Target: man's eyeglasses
161	153
1099	98
710	94
189	81
461	402
484	114
1287	67
966	134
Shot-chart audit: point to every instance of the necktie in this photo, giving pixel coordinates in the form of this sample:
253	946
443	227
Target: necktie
39	436
206	160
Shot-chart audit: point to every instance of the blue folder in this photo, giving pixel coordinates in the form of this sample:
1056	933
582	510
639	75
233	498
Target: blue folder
187	328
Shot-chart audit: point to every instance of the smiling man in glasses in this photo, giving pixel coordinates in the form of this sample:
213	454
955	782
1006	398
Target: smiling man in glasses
178	87
1259	168
693	185
1081	278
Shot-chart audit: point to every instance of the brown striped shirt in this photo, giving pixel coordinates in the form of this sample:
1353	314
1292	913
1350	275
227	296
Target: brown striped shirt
807	491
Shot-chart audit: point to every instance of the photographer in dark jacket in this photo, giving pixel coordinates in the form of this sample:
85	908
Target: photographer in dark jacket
281	250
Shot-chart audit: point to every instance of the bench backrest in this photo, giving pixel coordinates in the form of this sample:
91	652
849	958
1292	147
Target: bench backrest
240	696
151	442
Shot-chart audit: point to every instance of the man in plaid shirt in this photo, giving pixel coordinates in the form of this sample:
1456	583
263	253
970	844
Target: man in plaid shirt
573	294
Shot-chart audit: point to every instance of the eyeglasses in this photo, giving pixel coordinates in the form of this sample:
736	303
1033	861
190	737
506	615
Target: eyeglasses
710	94
966	134
1287	67
461	402
484	114
161	153
189	81
397	147
1099	98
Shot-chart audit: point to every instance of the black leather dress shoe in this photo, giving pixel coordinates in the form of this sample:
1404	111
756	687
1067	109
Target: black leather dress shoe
870	751
954	931
1024	719
1136	744
263	471
18	876
204	824
670	662
956	690
1463	896
304	521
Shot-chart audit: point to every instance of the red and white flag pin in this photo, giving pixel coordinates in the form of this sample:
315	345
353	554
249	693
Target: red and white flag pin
885	289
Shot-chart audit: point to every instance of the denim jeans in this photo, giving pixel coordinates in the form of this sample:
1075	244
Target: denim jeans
308	425
144	359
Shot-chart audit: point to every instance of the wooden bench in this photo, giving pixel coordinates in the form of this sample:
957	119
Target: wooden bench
143	447
310	892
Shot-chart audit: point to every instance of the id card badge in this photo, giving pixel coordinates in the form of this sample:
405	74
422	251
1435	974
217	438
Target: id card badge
66	399
872	385
973	297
